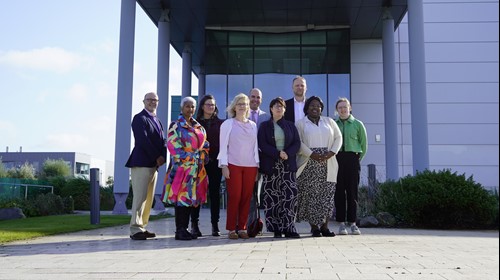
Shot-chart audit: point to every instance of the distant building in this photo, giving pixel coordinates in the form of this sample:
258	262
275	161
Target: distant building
78	162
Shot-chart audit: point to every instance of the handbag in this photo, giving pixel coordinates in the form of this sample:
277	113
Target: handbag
255	227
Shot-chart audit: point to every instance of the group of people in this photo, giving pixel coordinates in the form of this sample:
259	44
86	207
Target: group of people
305	164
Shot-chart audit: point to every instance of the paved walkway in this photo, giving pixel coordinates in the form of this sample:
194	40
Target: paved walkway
377	254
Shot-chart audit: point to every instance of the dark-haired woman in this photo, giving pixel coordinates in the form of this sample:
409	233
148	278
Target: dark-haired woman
207	116
317	173
279	143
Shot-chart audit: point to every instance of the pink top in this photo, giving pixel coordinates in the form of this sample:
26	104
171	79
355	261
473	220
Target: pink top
242	140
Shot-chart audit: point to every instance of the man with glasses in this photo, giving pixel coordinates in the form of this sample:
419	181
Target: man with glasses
148	154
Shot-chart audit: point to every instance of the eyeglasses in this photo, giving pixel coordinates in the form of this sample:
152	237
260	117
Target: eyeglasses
210	105
241	104
152	100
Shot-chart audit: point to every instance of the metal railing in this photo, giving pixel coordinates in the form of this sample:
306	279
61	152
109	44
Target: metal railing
14	190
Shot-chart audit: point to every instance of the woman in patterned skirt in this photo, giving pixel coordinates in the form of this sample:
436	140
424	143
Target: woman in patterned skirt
317	173
279	143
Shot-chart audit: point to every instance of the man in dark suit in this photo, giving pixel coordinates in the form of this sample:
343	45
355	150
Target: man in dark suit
295	105
148	154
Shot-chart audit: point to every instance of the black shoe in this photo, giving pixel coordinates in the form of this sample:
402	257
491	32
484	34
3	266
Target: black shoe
139	236
327	233
149	234
183	234
195	230
215	230
292	235
277	234
316	233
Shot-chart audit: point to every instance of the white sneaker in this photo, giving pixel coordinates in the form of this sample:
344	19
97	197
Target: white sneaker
355	230
342	229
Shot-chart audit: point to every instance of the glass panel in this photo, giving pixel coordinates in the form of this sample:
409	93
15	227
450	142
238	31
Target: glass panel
277	60
216	38
314	60
273	85
314	38
339	85
240	38
277	39
240	60
216	86
238	84
216	60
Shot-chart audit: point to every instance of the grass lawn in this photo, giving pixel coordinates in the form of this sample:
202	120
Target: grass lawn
21	229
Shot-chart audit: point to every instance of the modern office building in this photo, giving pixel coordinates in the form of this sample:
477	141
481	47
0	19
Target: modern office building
421	74
79	163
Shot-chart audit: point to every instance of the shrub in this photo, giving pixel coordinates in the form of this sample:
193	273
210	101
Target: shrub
441	199
55	168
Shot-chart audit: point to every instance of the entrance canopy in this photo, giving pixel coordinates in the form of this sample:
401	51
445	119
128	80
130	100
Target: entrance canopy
189	19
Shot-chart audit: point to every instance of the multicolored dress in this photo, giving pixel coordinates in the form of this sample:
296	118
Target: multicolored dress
186	181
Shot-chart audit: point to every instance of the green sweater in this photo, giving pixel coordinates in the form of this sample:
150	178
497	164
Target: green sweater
353	136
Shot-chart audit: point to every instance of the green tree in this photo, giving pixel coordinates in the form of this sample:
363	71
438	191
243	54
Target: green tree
55	168
26	171
3	171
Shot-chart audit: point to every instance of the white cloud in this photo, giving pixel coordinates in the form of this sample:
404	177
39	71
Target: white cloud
51	59
78	93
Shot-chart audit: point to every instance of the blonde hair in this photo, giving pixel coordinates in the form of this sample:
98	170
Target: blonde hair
231	109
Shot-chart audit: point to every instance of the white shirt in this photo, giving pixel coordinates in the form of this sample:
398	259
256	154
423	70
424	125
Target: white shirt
298	107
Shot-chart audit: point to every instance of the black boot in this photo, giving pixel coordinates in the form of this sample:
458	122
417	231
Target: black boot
182	234
181	223
215	229
195	229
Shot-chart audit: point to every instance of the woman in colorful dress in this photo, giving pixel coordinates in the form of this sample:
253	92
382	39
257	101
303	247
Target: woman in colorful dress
279	143
317	173
186	180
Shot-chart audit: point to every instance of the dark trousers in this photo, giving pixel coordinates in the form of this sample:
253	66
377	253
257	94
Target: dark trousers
214	179
346	194
182	217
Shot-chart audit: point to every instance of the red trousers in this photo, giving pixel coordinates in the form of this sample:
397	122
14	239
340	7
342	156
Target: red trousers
239	193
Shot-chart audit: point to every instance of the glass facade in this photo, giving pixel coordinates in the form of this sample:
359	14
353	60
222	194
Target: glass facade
239	61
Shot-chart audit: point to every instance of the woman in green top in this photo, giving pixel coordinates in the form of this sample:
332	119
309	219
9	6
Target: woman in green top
351	153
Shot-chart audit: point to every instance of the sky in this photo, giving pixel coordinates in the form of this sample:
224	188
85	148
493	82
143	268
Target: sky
59	73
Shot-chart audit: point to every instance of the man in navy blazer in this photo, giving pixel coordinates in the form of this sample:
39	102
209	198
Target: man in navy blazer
148	154
295	105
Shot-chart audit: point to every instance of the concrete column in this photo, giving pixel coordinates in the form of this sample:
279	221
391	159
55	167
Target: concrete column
418	86
124	105
390	102
202	87
186	70
162	81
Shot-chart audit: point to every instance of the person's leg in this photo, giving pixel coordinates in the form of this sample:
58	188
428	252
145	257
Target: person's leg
248	181
182	215
234	188
214	181
195	217
143	184
352	187
340	191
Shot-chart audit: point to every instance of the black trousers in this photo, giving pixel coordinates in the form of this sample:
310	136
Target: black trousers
182	217
214	174
346	193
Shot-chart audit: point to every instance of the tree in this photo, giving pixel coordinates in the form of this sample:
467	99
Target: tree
25	171
3	171
55	168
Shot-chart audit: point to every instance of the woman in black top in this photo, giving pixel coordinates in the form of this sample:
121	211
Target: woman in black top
207	117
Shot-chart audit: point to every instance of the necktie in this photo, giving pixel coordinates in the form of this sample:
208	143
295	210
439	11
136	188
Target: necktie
254	116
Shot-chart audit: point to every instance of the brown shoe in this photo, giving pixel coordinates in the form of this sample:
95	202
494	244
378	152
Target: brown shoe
243	234
233	235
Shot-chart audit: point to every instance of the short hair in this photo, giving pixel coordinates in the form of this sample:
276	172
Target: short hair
297	78
309	100
231	108
342	99
201	111
188	99
277	100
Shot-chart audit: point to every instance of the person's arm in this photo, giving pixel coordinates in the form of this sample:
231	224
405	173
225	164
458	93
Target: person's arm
362	140
266	144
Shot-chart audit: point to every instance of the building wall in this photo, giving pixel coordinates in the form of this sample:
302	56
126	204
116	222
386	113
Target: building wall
461	44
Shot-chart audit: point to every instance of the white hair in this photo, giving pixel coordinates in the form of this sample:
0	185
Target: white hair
188	99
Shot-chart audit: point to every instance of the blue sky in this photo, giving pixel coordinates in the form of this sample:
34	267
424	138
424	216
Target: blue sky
59	70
